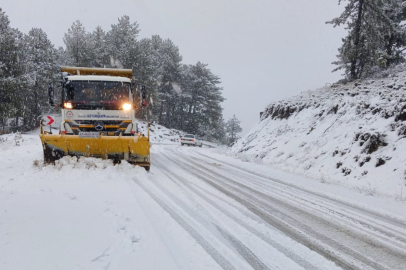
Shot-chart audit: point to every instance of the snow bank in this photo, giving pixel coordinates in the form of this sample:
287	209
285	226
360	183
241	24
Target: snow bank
350	134
160	134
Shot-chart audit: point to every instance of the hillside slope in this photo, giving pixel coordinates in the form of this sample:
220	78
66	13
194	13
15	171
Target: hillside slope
351	134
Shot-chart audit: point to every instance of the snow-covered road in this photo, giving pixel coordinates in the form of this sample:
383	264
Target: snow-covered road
195	210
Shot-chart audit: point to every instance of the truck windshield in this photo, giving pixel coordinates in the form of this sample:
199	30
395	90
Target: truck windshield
97	93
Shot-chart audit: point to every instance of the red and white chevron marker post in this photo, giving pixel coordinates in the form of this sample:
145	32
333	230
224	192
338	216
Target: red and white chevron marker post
51	120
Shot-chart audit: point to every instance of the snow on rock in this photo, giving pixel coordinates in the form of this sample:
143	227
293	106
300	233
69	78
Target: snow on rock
351	134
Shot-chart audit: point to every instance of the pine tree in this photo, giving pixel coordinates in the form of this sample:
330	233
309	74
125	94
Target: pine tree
100	55
375	36
394	33
202	111
157	65
169	60
11	68
40	69
121	42
233	128
145	70
220	134
63	58
78	44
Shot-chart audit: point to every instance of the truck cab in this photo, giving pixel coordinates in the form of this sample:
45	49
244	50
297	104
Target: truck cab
97	104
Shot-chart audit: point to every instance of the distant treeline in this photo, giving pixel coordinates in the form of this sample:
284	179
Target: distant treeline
180	96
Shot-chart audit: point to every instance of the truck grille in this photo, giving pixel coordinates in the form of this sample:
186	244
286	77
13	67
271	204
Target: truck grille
110	127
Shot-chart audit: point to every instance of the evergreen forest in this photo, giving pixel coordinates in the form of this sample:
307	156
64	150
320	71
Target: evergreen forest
181	96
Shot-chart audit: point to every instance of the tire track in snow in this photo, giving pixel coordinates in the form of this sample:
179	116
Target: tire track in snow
388	235
278	222
244	251
377	225
225	264
294	257
332	252
207	219
398	256
386	218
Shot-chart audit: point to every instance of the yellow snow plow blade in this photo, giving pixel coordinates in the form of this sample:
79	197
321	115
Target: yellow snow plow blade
135	149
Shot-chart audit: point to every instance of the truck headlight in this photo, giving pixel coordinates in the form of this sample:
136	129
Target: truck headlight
67	105
127	106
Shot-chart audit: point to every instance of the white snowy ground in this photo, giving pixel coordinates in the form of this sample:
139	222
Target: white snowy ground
194	210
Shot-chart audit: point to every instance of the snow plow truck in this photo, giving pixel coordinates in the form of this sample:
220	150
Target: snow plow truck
98	117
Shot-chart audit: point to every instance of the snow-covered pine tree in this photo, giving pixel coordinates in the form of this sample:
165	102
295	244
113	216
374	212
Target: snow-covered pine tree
121	42
11	68
78	44
202	111
145	70
220	131
169	60
162	62
394	33
63	58
375	36
100	55
40	70
233	128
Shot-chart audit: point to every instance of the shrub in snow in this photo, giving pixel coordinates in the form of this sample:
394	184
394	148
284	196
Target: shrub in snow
345	171
333	110
402	115
402	130
379	162
372	142
363	161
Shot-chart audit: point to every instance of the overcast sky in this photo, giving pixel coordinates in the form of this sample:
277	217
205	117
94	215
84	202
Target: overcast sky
263	50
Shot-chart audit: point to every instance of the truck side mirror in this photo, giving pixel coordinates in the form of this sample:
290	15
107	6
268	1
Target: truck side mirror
51	94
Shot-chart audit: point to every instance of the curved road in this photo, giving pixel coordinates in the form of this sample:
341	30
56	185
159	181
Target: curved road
245	220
